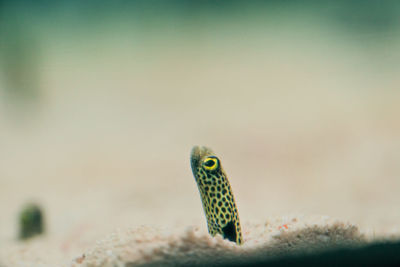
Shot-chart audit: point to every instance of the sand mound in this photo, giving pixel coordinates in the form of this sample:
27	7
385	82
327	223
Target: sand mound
280	236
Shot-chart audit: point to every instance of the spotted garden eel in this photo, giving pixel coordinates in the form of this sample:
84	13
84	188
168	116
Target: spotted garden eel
216	195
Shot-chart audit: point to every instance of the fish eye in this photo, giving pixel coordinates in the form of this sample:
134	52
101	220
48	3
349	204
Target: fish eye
210	163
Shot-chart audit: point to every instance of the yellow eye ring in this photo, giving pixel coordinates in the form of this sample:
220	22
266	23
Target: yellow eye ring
210	163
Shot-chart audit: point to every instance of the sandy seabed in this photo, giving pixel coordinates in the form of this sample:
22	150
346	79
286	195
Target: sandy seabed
152	246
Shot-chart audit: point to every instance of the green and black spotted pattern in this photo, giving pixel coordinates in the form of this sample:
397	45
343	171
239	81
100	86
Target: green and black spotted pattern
216	195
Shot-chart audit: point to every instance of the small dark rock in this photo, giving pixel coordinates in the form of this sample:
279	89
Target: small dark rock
31	221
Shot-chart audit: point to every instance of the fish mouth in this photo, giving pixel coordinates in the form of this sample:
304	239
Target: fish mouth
197	155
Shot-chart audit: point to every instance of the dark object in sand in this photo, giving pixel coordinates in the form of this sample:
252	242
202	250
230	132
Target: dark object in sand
375	254
31	221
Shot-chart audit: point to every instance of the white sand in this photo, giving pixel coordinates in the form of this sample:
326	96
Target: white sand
168	246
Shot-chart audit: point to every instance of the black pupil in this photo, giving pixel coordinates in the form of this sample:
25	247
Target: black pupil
209	163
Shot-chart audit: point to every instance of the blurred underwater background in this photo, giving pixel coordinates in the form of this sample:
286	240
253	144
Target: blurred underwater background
102	101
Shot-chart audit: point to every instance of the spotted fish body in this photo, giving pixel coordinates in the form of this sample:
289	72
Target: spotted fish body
216	195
